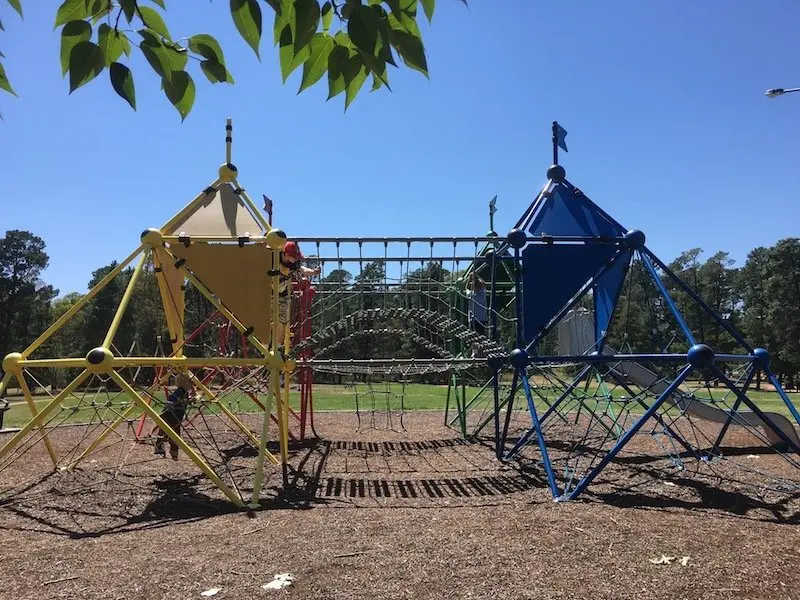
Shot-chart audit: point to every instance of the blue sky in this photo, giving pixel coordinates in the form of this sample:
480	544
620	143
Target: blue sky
669	130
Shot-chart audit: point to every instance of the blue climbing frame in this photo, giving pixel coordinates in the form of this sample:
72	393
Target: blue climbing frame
565	246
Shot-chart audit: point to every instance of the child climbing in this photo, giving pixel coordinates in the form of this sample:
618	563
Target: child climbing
174	413
476	293
292	258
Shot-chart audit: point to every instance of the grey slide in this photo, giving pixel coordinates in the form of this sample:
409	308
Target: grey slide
643	377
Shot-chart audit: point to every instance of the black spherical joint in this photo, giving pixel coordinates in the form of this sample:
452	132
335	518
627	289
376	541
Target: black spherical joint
635	239
556	173
519	358
700	356
517	238
96	356
762	358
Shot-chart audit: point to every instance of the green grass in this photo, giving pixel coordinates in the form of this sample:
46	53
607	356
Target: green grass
326	398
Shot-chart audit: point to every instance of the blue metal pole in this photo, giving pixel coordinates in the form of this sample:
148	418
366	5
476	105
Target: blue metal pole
518	297
662	288
496	377
761	415
509	409
732	412
699	300
497	449
778	388
626	437
548	467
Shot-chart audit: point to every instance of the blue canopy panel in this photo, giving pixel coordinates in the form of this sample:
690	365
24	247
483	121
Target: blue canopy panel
565	212
606	294
552	274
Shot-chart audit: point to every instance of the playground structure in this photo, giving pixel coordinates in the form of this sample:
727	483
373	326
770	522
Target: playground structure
555	337
196	247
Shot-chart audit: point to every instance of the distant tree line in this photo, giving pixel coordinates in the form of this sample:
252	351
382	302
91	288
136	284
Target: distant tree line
761	299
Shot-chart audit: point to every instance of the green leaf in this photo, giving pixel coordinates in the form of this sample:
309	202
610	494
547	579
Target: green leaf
362	27
122	82
355	73
216	72
72	33
16	6
327	16
85	63
163	57
129	8
153	21
70	10
290	60
411	51
316	65
1	26
160	3
336	63
307	15
156	53
428	6
247	18
113	43
405	22
283	18
98	8
207	47
181	92
4	83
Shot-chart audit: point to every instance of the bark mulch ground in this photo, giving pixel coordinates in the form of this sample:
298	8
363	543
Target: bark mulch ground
385	514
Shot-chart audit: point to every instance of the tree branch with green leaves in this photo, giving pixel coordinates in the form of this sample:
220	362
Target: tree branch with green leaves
349	40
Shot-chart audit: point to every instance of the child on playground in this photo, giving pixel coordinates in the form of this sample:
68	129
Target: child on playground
174	413
476	293
292	257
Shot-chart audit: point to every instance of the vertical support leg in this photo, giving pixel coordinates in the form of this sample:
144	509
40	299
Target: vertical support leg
626	437
732	413
548	467
509	409
26	390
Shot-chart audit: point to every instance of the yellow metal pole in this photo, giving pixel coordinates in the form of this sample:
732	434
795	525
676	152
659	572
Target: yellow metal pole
176	239
167	227
273	382
175	328
23	384
79	304
253	209
123	303
207	470
236	421
283	412
39	418
157	361
4	381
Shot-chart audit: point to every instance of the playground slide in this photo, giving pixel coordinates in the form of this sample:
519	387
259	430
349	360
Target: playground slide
643	377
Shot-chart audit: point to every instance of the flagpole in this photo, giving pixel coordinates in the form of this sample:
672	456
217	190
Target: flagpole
492	210
555	142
